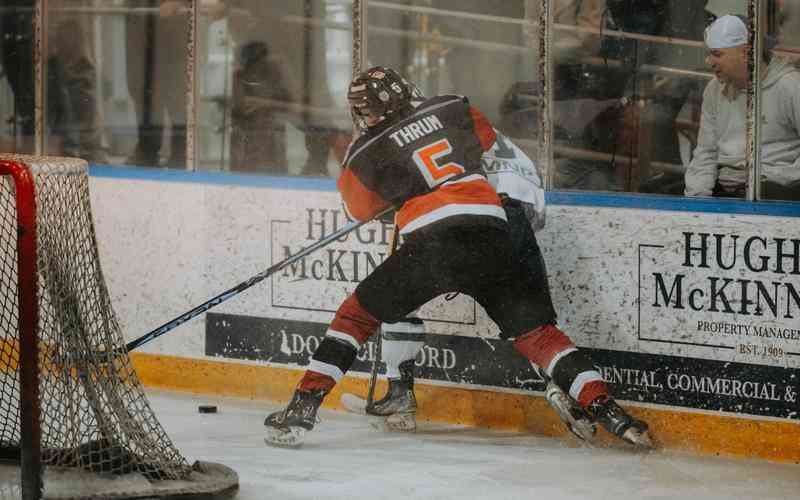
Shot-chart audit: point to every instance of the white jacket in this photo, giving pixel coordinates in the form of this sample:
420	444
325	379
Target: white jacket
723	125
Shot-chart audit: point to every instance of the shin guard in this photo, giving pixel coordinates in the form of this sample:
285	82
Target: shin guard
401	342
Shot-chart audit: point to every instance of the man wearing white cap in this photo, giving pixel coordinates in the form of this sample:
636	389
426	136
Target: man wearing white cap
717	167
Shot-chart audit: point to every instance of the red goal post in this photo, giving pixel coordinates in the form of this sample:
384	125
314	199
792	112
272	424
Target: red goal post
30	431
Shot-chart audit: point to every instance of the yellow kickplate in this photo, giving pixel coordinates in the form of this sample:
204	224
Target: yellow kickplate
673	428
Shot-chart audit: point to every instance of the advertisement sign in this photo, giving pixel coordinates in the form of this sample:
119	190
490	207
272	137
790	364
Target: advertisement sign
493	363
738	293
695	311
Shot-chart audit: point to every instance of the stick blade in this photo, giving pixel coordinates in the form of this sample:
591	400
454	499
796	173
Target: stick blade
354	404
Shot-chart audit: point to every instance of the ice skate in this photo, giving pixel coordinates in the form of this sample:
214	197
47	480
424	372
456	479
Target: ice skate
398	408
617	421
399	405
575	418
396	422
287	428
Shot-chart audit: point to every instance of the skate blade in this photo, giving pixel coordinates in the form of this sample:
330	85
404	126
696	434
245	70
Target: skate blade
638	438
582	428
397	422
287	437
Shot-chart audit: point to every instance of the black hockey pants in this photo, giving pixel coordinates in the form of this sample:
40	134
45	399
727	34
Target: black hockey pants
501	268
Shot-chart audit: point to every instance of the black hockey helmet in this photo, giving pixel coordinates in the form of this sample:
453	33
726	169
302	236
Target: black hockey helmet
379	92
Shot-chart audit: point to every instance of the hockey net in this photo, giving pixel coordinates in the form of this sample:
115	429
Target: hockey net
72	408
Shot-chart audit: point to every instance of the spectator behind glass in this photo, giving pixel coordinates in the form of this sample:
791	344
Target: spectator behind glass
281	78
570	45
789	26
71	111
719	8
670	137
718	165
587	108
156	59
260	91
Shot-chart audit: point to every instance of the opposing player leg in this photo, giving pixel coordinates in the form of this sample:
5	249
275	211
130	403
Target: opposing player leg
400	344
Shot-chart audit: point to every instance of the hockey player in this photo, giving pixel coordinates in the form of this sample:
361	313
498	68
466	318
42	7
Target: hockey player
426	160
514	177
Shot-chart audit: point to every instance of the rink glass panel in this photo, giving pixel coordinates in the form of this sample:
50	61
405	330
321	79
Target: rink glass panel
272	83
627	79
269	95
113	79
781	37
16	59
483	50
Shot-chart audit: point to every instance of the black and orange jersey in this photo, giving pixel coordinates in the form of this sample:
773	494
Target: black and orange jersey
427	163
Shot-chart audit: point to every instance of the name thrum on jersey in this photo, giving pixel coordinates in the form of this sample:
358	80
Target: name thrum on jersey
416	130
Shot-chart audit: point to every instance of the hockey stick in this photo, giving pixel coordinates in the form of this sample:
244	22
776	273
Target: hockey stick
373	373
373	376
227	294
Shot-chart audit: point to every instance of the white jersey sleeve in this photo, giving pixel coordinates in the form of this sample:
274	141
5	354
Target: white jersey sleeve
512	172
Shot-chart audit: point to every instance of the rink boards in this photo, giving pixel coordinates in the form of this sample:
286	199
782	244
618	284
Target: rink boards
690	308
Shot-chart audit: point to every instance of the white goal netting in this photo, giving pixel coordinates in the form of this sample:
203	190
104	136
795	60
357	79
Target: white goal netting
96	422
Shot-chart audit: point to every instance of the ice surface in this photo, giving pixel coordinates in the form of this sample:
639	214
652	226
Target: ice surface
344	458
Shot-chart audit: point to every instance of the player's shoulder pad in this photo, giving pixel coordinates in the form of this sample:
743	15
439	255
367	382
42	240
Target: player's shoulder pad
444	98
355	145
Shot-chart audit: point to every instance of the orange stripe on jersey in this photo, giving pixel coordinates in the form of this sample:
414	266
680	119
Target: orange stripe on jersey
360	201
483	129
476	192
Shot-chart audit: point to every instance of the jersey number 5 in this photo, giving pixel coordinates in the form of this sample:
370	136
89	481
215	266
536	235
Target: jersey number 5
427	160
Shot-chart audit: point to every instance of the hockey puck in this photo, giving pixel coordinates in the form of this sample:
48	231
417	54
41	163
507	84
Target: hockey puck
206	409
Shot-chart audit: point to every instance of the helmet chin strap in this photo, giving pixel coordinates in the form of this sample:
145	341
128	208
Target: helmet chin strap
363	124
380	119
